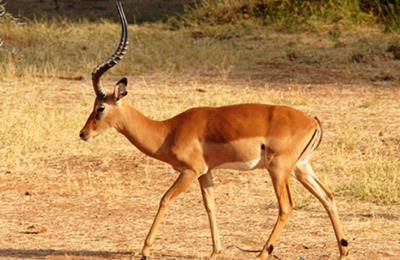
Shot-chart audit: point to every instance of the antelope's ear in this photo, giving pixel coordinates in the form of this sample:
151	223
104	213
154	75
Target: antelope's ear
120	89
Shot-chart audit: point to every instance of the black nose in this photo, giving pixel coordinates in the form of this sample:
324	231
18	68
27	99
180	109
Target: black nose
81	134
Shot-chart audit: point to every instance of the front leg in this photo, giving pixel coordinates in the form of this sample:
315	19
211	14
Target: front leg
184	180
206	186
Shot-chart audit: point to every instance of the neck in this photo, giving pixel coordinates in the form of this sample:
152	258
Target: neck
148	135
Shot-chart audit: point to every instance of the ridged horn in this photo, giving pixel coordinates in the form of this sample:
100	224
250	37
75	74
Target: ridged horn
117	56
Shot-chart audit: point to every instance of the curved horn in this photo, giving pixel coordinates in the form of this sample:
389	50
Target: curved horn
117	56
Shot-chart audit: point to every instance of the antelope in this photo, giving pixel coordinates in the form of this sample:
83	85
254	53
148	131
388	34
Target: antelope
239	137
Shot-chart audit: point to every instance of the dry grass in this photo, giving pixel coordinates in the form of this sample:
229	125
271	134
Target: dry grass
72	49
63	198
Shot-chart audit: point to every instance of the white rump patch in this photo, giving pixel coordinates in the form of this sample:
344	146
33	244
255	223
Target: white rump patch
305	159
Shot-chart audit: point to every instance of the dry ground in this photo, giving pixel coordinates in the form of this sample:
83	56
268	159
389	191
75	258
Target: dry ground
61	198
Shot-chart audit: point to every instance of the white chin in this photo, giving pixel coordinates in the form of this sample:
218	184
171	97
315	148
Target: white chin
88	139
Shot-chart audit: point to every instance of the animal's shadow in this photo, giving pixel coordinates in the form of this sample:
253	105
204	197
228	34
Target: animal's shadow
40	253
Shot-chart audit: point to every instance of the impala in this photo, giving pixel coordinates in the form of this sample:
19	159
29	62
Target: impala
240	137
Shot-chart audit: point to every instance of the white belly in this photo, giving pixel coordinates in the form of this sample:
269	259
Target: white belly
243	166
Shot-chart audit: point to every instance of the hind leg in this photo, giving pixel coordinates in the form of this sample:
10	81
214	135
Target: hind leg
306	176
280	179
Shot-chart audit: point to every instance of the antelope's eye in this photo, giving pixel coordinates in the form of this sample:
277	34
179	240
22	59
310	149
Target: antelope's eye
100	109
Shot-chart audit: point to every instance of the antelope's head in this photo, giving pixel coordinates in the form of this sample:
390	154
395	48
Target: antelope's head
106	110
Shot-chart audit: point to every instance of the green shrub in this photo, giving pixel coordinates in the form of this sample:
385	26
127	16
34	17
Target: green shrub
289	13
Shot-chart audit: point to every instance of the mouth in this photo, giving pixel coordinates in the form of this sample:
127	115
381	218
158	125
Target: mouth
88	139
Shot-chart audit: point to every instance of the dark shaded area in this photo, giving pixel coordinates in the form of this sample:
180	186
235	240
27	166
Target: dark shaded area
137	11
381	8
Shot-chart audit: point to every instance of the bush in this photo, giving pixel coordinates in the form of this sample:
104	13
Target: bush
297	12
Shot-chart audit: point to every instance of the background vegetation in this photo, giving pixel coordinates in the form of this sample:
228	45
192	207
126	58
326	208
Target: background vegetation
189	39
290	15
285	14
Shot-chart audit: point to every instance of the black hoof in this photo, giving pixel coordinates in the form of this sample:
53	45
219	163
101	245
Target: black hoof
270	249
